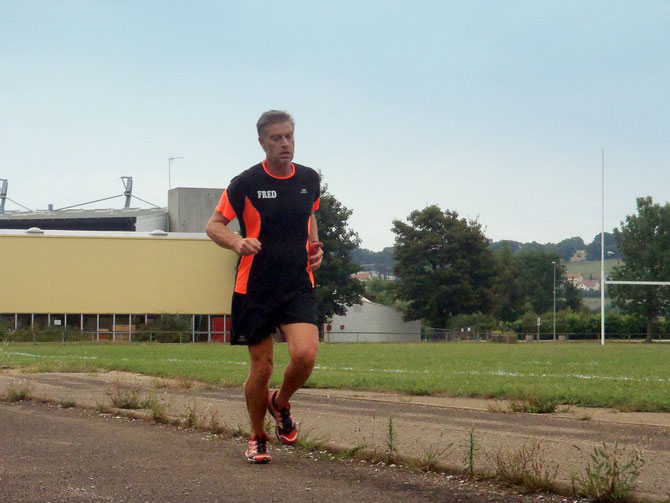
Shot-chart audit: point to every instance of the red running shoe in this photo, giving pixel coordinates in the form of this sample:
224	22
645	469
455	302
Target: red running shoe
257	450
286	431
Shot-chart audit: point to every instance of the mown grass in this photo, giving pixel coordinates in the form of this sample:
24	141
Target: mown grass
624	376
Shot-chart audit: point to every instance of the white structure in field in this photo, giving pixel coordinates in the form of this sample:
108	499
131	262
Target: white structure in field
372	322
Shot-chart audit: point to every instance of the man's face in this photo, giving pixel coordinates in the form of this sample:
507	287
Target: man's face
278	143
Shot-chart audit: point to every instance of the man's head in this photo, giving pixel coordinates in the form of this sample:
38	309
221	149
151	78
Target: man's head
275	134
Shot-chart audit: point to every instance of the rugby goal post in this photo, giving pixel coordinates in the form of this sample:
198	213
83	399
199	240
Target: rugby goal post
603	280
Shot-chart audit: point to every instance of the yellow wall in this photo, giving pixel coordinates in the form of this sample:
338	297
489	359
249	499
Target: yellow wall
87	273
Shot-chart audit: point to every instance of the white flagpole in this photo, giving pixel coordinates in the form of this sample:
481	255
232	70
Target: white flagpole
602	256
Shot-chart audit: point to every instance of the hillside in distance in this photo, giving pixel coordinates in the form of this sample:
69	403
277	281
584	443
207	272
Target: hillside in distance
382	261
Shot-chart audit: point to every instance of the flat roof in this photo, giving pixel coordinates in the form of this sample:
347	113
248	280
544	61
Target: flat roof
79	213
106	234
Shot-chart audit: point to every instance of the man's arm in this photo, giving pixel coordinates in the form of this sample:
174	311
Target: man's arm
218	231
315	246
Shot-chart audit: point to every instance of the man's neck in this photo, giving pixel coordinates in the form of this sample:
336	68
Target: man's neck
280	170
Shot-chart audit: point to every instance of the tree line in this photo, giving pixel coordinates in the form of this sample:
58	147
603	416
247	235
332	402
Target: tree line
447	271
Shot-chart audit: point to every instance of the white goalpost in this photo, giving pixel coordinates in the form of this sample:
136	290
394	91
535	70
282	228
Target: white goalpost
603	280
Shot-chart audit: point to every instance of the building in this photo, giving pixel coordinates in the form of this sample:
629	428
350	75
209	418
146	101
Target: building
372	322
124	219
109	282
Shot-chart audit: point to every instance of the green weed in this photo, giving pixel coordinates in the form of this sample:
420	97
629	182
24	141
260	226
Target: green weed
122	397
432	454
525	468
535	405
391	441
610	475
18	393
472	446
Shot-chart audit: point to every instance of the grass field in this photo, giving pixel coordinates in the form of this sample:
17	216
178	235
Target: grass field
624	376
590	268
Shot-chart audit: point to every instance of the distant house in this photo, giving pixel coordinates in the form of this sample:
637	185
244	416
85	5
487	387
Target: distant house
589	285
371	322
575	278
364	275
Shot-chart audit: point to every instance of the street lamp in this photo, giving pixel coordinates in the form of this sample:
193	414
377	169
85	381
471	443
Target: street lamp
170	159
553	262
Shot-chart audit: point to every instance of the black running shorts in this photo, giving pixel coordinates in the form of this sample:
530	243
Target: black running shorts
253	319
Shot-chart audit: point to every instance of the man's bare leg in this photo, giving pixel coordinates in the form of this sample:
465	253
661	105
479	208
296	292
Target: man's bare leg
303	344
256	386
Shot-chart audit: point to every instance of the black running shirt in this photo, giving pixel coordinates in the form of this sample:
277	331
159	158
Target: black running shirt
276	211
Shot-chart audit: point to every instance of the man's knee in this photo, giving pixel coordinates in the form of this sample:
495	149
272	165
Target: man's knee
304	357
261	362
261	369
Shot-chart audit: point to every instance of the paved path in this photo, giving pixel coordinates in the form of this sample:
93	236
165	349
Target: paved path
349	419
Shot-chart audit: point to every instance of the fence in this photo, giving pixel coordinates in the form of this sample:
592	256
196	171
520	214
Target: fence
200	336
163	336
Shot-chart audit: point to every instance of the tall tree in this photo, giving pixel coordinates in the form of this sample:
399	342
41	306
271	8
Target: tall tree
444	266
336	290
538	278
644	241
593	250
508	290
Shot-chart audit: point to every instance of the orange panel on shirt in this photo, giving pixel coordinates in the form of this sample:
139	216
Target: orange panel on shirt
225	208
252	224
315	206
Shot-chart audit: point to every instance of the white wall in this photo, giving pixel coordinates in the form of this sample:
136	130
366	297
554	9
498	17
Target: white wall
372	322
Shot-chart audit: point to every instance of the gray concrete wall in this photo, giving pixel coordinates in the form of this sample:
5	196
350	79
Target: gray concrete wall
190	208
372	322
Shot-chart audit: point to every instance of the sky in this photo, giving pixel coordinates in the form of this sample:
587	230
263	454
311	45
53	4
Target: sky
499	111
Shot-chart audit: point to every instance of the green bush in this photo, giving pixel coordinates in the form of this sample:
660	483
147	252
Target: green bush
168	328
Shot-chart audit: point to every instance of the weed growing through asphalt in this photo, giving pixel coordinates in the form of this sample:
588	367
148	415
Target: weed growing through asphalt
525	468
498	407
185	382
191	419
535	405
157	408
214	425
101	408
432	454
472	446
391	442
124	398
18	393
610	475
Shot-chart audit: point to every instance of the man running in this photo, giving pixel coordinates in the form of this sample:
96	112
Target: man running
274	202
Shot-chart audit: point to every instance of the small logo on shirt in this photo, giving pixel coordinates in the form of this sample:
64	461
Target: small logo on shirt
267	194
303	191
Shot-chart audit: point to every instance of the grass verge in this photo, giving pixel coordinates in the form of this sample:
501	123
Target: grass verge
632	377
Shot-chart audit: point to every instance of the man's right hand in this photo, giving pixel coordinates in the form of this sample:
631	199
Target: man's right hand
247	246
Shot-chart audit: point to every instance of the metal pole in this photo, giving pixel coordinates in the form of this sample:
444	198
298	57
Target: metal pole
602	256
97	327
16	321
64	327
114	327
209	328
130	328
193	327
554	263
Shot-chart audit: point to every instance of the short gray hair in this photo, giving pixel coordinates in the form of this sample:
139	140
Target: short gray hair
273	117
